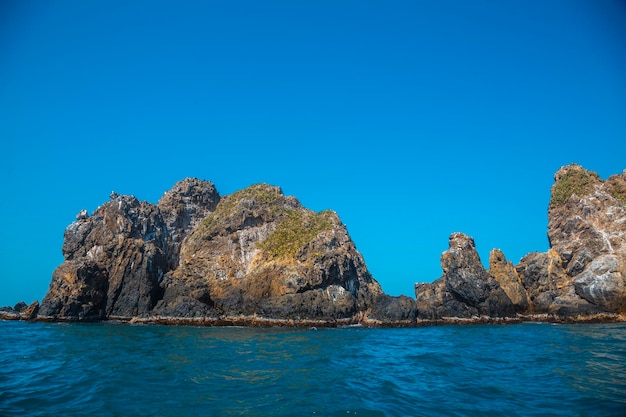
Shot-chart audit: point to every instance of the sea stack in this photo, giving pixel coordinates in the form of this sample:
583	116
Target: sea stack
196	255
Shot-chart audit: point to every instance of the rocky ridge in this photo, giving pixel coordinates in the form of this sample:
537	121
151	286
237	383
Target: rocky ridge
582	274
258	257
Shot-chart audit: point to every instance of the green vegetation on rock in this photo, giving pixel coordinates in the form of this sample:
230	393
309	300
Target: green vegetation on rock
295	230
617	188
575	181
259	194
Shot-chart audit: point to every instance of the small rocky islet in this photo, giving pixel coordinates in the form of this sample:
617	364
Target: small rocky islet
259	258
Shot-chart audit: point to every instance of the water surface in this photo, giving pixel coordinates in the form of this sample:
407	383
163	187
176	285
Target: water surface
49	369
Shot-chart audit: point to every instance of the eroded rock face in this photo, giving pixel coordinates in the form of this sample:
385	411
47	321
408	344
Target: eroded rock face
583	273
116	258
465	289
506	275
390	309
182	208
587	230
194	254
262	253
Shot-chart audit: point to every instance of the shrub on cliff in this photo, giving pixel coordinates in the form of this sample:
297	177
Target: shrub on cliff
575	181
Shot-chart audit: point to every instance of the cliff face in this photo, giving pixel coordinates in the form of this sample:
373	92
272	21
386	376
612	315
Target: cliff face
262	253
587	233
194	254
583	272
116	258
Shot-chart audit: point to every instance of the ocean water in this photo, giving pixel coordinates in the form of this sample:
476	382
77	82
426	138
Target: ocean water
49	369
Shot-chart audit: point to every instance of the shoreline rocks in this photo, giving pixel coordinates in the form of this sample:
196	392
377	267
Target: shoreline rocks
259	258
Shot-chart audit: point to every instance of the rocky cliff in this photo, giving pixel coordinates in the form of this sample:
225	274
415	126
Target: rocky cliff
195	254
583	273
258	255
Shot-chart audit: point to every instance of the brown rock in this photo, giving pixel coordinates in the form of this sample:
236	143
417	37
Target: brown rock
262	253
30	313
505	274
196	255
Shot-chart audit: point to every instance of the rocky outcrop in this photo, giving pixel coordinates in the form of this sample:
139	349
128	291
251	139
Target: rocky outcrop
259	257
390	310
262	253
465	289
583	273
20	311
587	232
197	255
116	258
507	277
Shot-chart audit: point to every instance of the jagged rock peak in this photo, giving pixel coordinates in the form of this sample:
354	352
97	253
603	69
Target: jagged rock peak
506	275
186	204
116	258
465	289
587	231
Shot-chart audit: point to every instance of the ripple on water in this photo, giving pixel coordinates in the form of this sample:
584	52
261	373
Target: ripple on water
105	369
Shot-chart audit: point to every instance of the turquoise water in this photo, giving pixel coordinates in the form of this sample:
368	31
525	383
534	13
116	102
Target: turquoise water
126	370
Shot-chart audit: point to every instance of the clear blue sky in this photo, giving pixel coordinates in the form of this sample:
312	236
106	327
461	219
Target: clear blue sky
410	119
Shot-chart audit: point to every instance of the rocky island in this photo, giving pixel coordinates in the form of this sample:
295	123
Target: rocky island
259	258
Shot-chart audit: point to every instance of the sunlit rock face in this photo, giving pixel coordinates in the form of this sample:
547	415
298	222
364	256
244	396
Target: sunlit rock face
196	254
583	273
262	253
587	230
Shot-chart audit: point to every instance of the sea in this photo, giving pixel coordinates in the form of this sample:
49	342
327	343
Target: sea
108	369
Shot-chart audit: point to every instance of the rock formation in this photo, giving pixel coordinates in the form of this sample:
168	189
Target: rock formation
20	311
583	272
465	289
260	255
197	255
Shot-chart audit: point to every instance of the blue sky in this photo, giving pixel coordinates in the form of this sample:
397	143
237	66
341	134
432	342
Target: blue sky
410	119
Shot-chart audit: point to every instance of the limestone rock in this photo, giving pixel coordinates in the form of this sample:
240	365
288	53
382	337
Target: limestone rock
506	275
197	255
30	312
465	289
116	258
262	253
183	207
583	272
602	283
587	231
